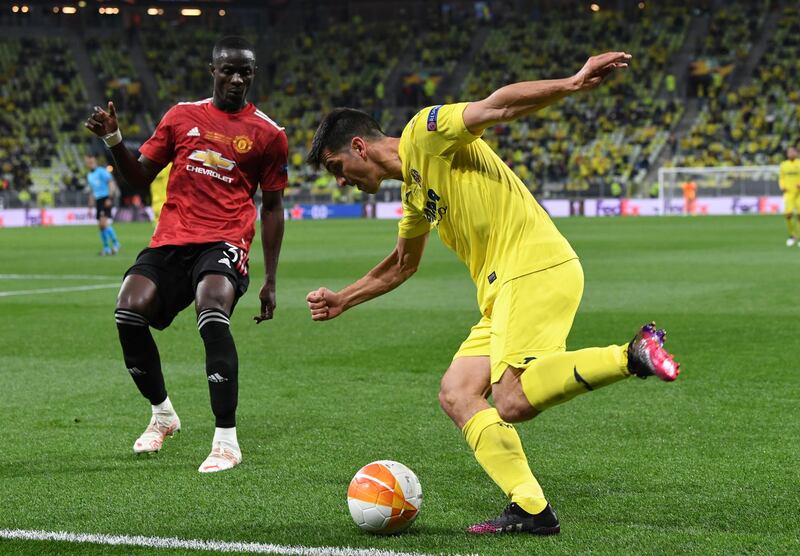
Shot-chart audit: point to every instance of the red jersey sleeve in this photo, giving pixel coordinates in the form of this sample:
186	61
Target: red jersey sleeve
160	148
276	164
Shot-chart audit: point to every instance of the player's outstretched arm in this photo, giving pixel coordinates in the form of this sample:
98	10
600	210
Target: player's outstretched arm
520	99
138	173
395	269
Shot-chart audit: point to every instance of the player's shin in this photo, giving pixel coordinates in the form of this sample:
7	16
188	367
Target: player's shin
222	365
559	377
141	355
112	236
498	449
105	240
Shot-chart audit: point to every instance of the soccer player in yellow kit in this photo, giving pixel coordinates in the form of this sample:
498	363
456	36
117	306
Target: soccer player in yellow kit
789	182
529	279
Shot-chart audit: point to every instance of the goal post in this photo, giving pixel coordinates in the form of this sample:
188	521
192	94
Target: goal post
715	181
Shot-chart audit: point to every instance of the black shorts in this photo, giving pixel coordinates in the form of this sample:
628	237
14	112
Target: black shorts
177	269
101	208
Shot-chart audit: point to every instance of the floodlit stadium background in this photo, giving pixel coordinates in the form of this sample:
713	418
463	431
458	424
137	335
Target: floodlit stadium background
703	466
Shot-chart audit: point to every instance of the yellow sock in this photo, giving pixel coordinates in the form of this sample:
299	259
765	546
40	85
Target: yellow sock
559	377
498	449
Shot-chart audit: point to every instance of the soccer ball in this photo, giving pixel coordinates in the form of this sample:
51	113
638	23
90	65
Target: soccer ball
384	497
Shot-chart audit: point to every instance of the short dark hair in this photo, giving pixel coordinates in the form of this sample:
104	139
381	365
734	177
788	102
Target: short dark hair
231	43
338	128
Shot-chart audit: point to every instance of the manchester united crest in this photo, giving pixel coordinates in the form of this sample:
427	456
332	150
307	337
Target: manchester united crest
242	144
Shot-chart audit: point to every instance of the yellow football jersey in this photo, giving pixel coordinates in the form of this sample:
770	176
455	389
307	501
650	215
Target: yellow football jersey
453	181
789	177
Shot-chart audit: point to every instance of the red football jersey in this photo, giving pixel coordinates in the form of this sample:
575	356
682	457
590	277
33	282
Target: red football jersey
219	160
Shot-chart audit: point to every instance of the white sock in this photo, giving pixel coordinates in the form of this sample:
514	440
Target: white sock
226	435
164	407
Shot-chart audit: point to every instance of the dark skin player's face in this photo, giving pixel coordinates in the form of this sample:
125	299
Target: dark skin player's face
233	72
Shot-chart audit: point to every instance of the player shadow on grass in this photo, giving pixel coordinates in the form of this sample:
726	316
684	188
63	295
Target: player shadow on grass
335	534
50	467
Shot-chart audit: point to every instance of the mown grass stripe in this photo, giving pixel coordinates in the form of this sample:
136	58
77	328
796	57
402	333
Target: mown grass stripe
195	544
59	290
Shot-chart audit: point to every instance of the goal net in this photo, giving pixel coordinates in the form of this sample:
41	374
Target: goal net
747	182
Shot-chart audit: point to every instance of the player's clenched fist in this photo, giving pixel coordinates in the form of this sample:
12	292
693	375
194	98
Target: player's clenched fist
324	304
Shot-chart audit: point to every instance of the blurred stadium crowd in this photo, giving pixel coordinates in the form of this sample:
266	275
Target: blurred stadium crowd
711	82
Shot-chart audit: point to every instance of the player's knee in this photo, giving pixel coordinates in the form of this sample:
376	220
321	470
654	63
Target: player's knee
217	295
139	295
211	306
134	301
513	408
453	395
447	396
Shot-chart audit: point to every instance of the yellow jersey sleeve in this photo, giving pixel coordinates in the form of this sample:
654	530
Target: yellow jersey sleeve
435	131
440	130
413	223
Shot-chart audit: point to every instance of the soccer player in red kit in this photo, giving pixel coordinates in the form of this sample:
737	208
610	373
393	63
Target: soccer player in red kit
221	149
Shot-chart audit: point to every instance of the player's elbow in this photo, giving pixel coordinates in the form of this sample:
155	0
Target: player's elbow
407	269
272	202
408	263
507	114
404	264
271	212
497	109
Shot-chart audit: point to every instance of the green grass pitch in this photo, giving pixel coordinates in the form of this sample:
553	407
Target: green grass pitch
707	465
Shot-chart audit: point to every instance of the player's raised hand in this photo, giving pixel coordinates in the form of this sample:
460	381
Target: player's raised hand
101	122
267	297
324	304
598	67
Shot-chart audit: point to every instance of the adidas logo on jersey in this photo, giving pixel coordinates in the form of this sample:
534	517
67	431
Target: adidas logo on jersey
216	377
194	132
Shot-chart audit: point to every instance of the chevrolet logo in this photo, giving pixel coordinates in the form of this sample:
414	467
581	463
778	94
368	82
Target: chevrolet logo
212	159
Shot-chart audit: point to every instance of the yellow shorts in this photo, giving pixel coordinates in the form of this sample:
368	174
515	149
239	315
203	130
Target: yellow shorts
791	201
531	317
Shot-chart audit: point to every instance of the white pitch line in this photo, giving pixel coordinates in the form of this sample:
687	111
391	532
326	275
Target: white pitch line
59	290
219	546
56	277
